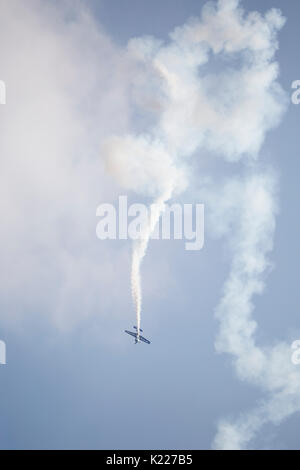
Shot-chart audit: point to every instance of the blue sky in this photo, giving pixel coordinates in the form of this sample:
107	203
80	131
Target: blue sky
73	379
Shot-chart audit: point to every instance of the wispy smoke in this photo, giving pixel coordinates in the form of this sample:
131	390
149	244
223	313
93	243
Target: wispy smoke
142	164
214	88
210	90
65	95
139	251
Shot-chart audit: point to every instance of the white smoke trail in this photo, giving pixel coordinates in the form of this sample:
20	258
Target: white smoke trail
191	106
140	249
143	164
270	368
227	111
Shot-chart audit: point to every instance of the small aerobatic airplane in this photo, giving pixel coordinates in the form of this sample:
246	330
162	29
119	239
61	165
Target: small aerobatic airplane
138	338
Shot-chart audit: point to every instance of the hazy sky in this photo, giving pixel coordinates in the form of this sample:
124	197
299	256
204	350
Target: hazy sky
73	379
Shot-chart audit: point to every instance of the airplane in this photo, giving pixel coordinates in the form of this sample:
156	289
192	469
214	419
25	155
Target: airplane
138	337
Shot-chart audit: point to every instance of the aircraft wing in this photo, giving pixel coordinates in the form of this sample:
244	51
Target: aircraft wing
144	339
130	333
135	336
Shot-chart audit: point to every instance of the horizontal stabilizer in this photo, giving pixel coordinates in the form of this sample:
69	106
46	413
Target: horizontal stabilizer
136	329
